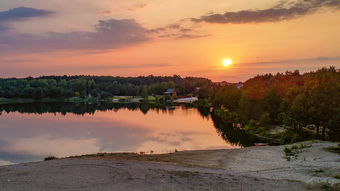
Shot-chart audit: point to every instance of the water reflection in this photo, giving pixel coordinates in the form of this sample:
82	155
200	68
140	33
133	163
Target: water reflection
232	134
30	132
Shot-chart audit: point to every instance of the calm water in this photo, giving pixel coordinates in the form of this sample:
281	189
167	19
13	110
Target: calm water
31	132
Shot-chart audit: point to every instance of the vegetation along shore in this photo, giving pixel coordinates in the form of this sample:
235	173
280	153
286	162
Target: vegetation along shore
277	109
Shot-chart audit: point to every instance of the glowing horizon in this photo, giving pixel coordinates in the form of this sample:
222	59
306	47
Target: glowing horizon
130	38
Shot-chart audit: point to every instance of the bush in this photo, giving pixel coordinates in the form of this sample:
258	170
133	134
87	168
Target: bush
50	158
334	149
291	152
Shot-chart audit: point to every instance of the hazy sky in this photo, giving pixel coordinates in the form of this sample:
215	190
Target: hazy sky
162	37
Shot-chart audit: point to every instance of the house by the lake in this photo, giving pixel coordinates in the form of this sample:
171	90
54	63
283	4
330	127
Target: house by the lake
171	93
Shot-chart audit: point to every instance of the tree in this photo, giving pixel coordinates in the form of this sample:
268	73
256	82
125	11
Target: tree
227	96
271	104
265	120
144	92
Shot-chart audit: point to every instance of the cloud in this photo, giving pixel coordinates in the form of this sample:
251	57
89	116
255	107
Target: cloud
20	13
123	9
138	7
302	64
105	13
285	10
112	67
108	34
177	31
301	60
16	61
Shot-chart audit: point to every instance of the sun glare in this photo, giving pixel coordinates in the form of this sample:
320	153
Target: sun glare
227	62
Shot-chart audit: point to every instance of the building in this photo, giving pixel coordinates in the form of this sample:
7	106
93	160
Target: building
171	93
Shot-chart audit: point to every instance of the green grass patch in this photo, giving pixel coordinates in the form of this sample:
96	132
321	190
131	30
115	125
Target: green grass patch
337	176
151	98
292	151
333	149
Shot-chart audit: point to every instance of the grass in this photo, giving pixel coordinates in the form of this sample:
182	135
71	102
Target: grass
292	151
128	156
173	156
333	149
151	98
337	176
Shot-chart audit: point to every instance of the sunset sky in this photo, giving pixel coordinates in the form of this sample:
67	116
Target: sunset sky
166	37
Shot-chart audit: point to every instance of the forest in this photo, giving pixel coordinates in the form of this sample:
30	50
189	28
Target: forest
286	106
62	87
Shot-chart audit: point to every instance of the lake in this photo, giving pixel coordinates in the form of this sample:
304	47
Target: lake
31	132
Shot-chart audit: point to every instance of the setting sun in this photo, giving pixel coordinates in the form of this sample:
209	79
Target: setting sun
227	62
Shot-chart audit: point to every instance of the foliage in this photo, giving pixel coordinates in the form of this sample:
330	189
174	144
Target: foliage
301	102
291	152
291	136
227	123
50	158
226	96
334	149
66	87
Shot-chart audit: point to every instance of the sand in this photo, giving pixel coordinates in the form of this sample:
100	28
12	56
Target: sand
254	168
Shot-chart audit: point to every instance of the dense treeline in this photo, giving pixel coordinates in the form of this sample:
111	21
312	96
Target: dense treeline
307	105
287	107
59	87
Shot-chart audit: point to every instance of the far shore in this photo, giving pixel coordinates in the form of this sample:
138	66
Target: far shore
116	99
311	167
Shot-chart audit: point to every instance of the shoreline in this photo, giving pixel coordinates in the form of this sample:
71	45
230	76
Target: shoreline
253	167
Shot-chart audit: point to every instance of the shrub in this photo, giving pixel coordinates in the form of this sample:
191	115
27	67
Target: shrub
50	158
334	149
291	152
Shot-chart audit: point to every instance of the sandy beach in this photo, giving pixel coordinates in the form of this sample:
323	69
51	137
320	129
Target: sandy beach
253	168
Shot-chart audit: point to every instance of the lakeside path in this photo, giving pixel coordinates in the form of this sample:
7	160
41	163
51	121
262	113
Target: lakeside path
253	168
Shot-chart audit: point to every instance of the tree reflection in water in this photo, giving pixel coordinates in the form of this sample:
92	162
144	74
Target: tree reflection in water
226	130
